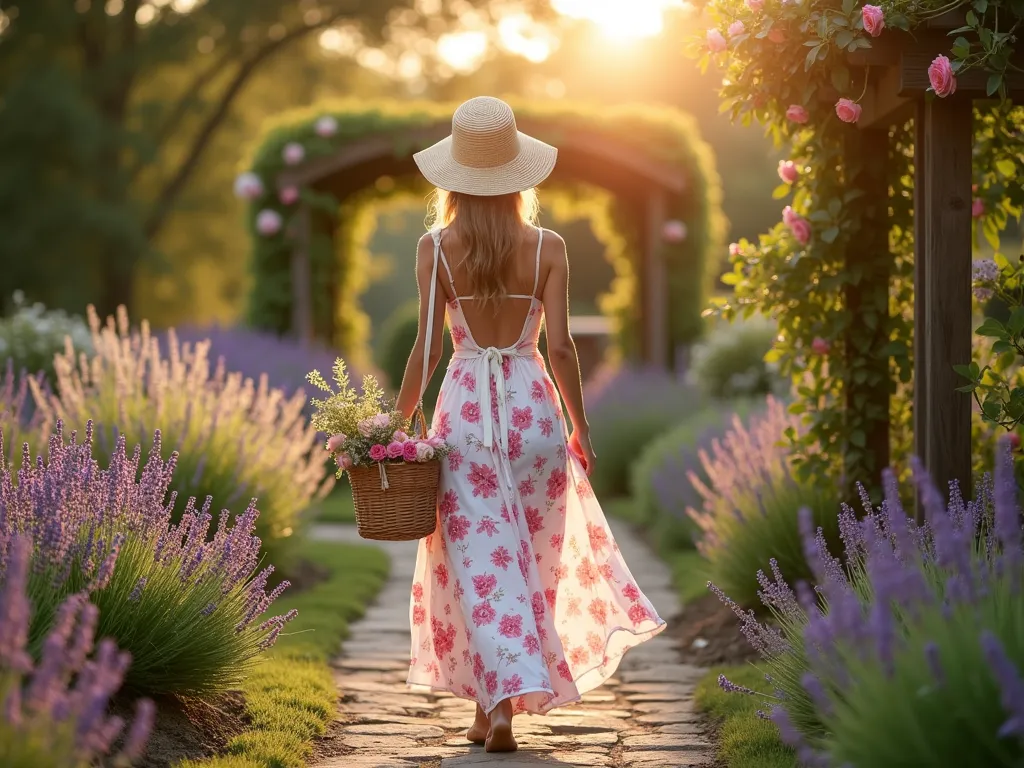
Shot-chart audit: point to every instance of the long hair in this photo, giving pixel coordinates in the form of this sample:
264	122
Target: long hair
491	231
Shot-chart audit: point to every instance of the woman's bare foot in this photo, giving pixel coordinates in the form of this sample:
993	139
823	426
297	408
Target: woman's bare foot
500	738
477	732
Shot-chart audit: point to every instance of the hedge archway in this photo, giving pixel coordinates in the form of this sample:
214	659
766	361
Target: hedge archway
315	169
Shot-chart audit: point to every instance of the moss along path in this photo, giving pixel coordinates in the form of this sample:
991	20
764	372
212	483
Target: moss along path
643	717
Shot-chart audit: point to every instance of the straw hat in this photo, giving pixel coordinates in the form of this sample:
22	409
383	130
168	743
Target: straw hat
486	154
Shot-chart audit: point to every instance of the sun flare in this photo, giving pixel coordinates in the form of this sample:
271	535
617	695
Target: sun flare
620	19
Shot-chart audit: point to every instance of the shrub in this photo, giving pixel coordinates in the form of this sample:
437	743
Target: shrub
628	407
730	362
750	504
659	482
398	335
915	647
237	438
32	335
54	712
184	604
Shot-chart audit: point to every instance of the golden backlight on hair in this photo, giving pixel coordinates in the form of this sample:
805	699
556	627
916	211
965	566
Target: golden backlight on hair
491	231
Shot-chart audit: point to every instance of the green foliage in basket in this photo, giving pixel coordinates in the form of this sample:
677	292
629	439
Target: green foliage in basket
365	428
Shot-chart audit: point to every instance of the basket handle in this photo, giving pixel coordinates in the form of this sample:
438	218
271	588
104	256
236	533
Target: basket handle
420	420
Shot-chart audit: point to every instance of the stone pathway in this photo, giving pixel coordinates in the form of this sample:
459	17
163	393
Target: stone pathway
643	717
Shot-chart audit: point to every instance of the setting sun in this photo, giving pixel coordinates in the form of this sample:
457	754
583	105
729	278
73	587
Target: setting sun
618	20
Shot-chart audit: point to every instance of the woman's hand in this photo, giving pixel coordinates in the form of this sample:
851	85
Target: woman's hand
579	444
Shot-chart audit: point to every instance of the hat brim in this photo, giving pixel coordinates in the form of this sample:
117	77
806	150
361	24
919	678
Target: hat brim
529	168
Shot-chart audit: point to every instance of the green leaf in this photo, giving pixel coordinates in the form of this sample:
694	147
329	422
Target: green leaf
731	278
994	81
1016	322
830	234
1006	167
964	370
981	5
967	388
848	6
858	438
844	37
991	410
971	19
781	191
1002	347
991	327
812	56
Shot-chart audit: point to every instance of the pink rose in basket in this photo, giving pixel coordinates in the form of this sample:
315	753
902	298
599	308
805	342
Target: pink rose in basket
400	436
409	450
381	420
345	461
365	427
395	450
424	452
435	442
378	453
336	443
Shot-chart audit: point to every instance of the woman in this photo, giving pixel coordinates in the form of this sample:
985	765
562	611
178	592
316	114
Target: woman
521	600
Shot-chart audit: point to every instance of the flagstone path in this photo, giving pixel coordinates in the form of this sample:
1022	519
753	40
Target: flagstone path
642	718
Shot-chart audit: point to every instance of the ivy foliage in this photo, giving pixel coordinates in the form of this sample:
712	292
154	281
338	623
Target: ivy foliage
836	272
666	136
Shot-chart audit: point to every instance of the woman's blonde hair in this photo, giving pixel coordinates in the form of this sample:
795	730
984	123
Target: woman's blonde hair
491	231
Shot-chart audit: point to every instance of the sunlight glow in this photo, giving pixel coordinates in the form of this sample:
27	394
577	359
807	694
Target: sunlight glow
619	20
521	35
462	51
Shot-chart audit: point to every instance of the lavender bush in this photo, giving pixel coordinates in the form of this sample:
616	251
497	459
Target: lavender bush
55	712
237	438
912	653
18	415
186	605
750	503
628	407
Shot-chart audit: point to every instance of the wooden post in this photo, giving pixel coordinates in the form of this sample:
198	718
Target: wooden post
655	283
867	390
920	408
946	135
302	290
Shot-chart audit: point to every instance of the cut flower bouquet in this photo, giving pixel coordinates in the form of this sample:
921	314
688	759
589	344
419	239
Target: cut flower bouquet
365	429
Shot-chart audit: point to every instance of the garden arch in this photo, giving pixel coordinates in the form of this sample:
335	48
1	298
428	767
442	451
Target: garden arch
314	167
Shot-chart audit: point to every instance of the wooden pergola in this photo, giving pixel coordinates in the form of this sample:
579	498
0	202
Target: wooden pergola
897	66
641	183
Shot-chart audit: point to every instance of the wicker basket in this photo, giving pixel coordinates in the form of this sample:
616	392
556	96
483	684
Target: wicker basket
396	502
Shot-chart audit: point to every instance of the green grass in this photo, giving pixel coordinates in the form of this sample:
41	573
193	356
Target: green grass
336	508
291	697
744	739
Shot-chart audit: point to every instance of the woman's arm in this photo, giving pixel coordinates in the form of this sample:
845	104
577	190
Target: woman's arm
565	363
410	394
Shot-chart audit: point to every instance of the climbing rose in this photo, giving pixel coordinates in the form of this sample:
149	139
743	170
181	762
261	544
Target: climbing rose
1014	439
797	224
797	114
874	21
716	42
288	195
674	231
819	346
248	186
326	126
293	153
268	222
940	75
734	249
789	215
788	171
848	111
755	5
978	208
736	28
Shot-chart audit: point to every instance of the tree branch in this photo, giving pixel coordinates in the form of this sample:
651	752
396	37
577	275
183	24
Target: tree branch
167	196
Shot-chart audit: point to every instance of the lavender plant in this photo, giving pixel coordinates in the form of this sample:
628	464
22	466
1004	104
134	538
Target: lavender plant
18	415
750	503
187	605
910	652
237	438
628	407
55	712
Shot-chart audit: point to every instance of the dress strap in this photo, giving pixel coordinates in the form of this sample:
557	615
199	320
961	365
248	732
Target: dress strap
536	268
437	234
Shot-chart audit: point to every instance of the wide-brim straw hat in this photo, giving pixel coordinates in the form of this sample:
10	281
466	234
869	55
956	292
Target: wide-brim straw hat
486	154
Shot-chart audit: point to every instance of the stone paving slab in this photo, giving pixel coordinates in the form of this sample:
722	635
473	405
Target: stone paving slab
641	718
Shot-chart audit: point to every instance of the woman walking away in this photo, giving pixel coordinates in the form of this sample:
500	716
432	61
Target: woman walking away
521	600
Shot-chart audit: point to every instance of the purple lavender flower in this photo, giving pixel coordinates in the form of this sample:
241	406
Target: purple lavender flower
730	687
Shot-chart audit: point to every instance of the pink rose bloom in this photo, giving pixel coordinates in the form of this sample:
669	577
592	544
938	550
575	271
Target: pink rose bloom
395	450
797	114
400	436
789	215
293	153
736	28
716	42
336	443
874	21
409	450
801	230
378	452
755	5
365	427
777	36
381	420
734	249
435	442
788	171
819	346
288	195
848	111
978	208
268	222
345	461
940	75
673	231
424	452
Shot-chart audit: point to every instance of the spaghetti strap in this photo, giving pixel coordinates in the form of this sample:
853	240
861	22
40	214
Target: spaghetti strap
437	234
536	268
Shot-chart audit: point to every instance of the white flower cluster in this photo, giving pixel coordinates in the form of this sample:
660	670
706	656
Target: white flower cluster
32	335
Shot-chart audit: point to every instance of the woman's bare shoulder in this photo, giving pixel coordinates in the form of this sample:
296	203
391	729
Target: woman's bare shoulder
553	246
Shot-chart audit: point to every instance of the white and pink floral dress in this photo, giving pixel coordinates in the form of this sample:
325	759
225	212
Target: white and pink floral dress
521	592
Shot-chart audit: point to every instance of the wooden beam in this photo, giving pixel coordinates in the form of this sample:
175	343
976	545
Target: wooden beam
914	75
655	282
881	104
302	281
921	405
947	307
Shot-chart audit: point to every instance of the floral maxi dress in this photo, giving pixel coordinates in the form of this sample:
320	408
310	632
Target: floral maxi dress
521	592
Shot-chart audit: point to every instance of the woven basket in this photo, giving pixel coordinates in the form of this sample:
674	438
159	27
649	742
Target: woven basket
396	502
